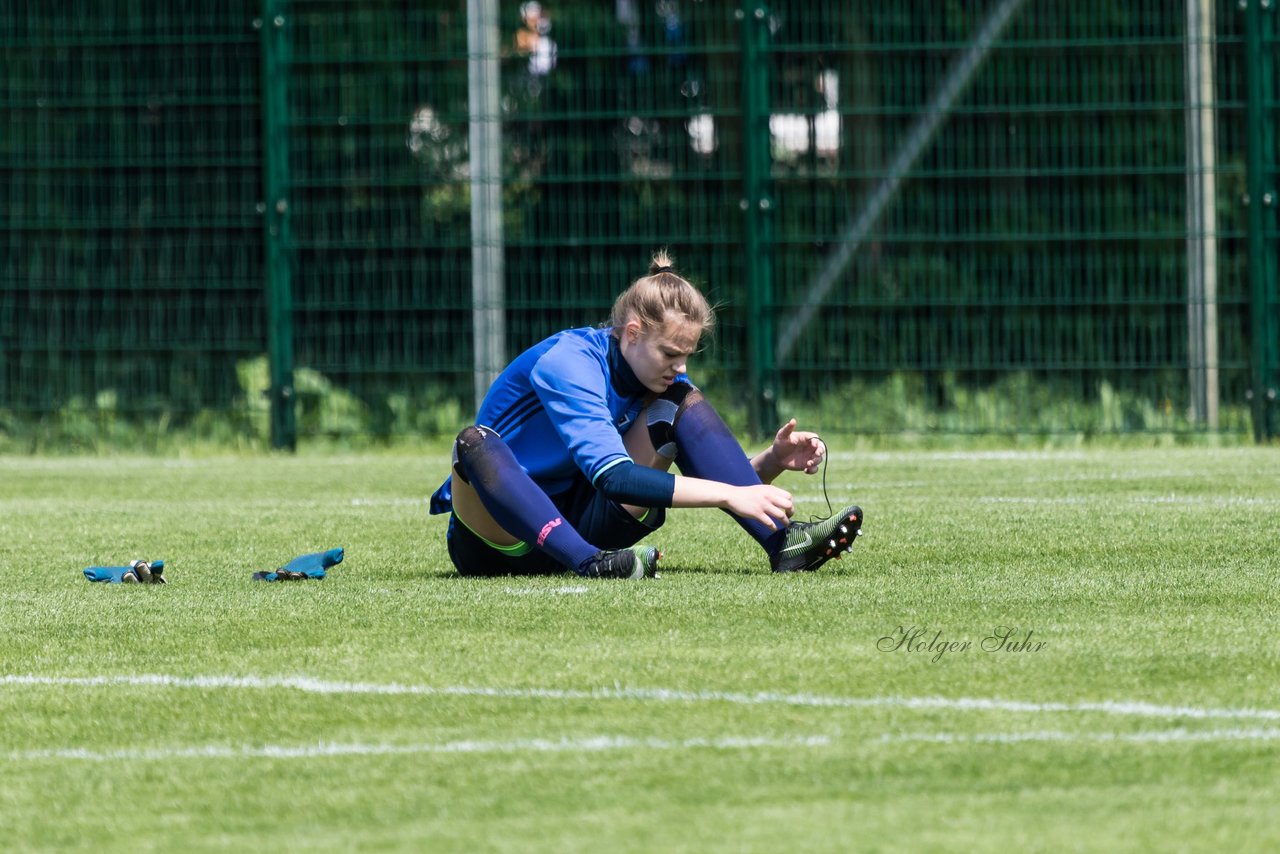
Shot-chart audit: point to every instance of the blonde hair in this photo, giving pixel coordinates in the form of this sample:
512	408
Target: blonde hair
663	292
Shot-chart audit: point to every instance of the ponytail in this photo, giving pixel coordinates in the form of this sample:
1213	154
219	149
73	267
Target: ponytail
654	298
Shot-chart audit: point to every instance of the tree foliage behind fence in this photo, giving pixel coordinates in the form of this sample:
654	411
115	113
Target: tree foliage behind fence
906	227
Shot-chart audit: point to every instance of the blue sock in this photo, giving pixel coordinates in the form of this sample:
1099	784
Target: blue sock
514	501
707	449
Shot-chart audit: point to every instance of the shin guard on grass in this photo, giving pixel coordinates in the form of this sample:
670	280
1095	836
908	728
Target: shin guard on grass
137	572
303	567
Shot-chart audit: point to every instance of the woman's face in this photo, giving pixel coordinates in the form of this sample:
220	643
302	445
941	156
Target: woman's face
658	354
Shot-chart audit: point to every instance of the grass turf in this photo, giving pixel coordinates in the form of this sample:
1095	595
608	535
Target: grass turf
396	706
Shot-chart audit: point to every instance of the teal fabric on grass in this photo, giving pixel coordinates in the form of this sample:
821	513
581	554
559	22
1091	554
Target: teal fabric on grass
309	565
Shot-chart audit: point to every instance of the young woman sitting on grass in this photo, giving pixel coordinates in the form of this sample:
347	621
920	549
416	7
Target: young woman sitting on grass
566	467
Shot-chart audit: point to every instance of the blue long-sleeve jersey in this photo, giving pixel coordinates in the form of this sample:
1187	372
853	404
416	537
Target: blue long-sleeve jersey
562	407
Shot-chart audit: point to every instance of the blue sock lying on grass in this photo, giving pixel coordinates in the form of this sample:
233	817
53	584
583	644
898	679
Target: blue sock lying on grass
303	567
137	572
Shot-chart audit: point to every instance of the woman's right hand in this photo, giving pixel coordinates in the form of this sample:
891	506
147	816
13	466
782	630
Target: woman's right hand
764	503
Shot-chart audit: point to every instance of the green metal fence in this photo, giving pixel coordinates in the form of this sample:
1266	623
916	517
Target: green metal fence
1008	216
130	167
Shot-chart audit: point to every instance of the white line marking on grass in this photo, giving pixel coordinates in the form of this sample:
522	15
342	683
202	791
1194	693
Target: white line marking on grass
546	591
1006	499
388	502
327	749
1196	503
1168	736
1122	708
960	456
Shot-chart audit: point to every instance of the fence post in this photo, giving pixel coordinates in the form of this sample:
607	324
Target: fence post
275	209
488	270
757	207
1202	220
1262	203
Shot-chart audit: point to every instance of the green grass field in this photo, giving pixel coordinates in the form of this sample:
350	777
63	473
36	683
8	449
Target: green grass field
394	706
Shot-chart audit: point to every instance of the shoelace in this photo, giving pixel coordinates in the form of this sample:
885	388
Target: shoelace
826	458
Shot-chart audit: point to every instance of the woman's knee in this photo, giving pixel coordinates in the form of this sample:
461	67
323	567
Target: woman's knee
471	438
664	413
470	443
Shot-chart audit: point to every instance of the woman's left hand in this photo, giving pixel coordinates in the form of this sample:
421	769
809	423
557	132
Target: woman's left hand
797	450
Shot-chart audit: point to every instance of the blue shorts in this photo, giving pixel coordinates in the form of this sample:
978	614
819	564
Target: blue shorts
600	521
